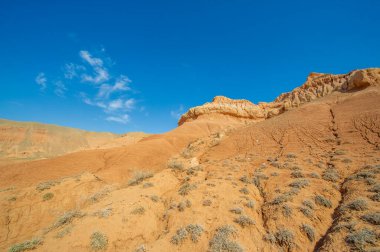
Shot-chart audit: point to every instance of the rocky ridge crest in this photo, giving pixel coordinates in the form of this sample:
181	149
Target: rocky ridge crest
316	86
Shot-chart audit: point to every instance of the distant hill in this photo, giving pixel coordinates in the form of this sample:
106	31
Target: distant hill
23	141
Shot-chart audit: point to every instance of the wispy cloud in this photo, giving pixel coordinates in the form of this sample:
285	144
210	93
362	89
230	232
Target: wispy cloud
124	119
177	112
41	80
60	88
100	73
110	93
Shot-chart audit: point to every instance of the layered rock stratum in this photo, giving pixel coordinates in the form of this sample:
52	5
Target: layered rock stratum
316	86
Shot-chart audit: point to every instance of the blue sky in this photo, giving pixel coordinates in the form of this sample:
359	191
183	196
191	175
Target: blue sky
124	66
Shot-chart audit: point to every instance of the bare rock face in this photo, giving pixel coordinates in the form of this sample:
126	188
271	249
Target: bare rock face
316	86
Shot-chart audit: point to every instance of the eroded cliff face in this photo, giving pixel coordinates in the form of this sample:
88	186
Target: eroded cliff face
316	86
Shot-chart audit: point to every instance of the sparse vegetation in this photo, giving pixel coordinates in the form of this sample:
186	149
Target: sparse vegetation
322	201
357	205
236	210
300	183
360	239
291	155
104	213
138	210
221	240
244	221
66	218
296	174
373	218
175	165
340	152
309	231
250	204
307	212
98	241
194	230
139	177
186	188
280	199
244	190
207	202
147	185
47	196
26	245
314	175
308	203
331	175
154	198
63	232
46	185
287	210
285	238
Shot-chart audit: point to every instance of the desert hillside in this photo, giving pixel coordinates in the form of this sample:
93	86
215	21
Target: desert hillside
301	173
25	141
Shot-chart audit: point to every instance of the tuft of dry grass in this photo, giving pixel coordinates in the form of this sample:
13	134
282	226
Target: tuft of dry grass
139	177
221	240
98	241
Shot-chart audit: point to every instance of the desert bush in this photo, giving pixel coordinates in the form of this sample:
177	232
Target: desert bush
186	188
139	177
103	213
138	210
307	212
47	185
63	232
276	165
309	231
375	188
291	155
340	152
296	174
360	239
274	174
280	199
373	218
363	175
26	245
250	204
147	185
270	238
194	230
207	202
236	210
357	205
98	241
244	190
330	175
175	165
221	240
375	197
299	183
244	221
245	179
345	225
346	160
287	210
180	235
13	198
154	198
285	238
141	248
314	175
66	218
322	201
308	203
47	196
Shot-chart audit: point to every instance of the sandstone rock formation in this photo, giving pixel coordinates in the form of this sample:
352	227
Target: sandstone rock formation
316	86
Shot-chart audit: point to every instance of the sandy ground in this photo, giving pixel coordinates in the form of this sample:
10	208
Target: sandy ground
306	180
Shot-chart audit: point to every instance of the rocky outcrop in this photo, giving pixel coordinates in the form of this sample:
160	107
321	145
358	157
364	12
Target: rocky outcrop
316	86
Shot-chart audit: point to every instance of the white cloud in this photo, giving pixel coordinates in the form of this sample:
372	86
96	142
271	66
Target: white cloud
72	70
129	104
178	112
41	80
100	74
121	84
115	104
60	88
124	119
